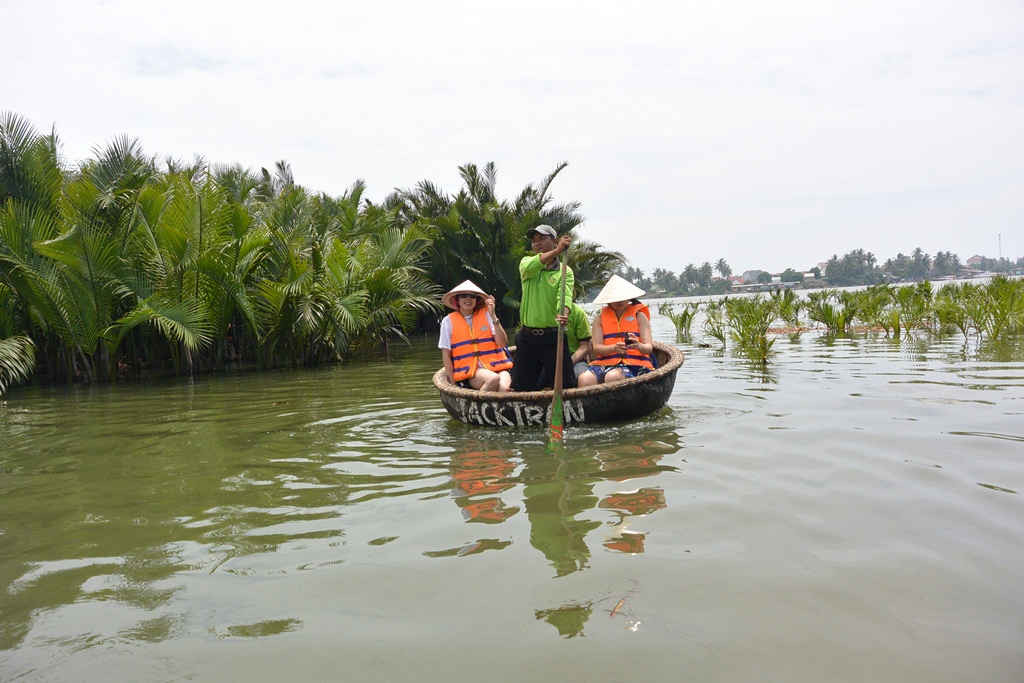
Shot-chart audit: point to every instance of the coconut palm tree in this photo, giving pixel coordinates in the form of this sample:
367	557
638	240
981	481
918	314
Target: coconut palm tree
390	267
478	236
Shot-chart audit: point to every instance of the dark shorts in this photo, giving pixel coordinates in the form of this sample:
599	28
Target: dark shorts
534	367
628	371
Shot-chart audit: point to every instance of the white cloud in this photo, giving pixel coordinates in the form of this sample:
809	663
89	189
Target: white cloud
770	134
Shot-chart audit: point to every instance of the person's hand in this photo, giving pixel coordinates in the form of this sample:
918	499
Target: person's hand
490	304
562	318
620	347
563	243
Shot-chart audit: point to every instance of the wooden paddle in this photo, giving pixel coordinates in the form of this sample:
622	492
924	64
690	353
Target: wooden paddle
555	434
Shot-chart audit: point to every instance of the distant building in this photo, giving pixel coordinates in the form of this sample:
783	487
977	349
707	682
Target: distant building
975	261
750	276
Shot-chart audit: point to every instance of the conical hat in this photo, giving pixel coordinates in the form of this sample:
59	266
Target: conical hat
466	287
618	289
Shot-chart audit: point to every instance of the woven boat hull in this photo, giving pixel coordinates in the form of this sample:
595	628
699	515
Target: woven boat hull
616	402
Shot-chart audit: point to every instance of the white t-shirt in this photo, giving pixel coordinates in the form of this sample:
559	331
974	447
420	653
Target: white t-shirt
445	342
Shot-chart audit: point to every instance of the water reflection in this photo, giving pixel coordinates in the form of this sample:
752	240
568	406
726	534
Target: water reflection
1004	350
238	508
477	475
557	493
569	619
628	504
557	490
560	490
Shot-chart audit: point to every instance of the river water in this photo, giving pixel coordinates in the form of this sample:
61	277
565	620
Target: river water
855	512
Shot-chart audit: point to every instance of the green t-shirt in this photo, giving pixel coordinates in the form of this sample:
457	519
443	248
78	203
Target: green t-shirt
540	292
578	328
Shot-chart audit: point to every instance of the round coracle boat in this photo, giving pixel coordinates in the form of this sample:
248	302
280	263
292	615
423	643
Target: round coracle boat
615	402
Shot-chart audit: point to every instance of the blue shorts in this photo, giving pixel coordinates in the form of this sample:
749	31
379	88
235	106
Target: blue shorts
628	371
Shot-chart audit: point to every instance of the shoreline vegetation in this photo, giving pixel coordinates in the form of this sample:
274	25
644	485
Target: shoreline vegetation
986	314
122	267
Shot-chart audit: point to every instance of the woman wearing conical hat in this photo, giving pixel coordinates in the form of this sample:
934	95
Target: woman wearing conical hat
620	335
473	342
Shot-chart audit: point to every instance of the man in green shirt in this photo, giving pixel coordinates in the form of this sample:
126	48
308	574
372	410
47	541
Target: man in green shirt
537	338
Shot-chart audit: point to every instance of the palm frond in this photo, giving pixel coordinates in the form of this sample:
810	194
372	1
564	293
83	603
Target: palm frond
17	360
182	322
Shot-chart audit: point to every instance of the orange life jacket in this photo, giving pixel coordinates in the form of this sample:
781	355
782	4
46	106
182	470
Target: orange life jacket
470	350
615	328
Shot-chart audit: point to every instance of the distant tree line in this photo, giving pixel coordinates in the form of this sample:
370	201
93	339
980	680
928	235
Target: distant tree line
861	268
692	280
857	267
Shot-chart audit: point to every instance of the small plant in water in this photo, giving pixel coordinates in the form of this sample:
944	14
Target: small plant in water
787	306
1005	307
713	323
873	309
950	309
835	310
915	305
683	320
749	320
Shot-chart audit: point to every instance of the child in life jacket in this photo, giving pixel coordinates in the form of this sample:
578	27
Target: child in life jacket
620	335
473	341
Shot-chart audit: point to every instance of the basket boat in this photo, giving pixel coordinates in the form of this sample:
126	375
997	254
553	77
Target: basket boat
617	402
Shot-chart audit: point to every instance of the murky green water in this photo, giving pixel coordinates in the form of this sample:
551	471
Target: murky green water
854	513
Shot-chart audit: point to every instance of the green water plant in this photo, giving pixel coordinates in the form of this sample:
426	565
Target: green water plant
748	321
873	306
833	309
1005	307
714	322
682	319
787	306
952	310
914	303
992	311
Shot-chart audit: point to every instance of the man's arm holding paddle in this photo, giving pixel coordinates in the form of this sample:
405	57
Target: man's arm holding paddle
549	257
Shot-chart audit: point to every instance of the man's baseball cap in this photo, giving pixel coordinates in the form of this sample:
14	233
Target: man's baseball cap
545	230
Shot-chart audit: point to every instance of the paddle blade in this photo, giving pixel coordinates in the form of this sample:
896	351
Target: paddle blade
555	432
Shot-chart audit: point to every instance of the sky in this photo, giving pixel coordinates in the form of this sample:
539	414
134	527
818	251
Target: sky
773	135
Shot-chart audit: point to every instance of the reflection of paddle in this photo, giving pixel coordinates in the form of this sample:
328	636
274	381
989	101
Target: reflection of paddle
555	434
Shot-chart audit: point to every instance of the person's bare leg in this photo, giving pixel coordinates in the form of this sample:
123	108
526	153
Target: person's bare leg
484	380
504	381
586	379
613	376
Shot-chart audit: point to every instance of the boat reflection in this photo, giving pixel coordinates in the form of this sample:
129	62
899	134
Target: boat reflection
476	475
628	504
561	504
559	490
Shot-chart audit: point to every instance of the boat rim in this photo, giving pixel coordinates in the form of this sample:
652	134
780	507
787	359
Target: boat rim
675	359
